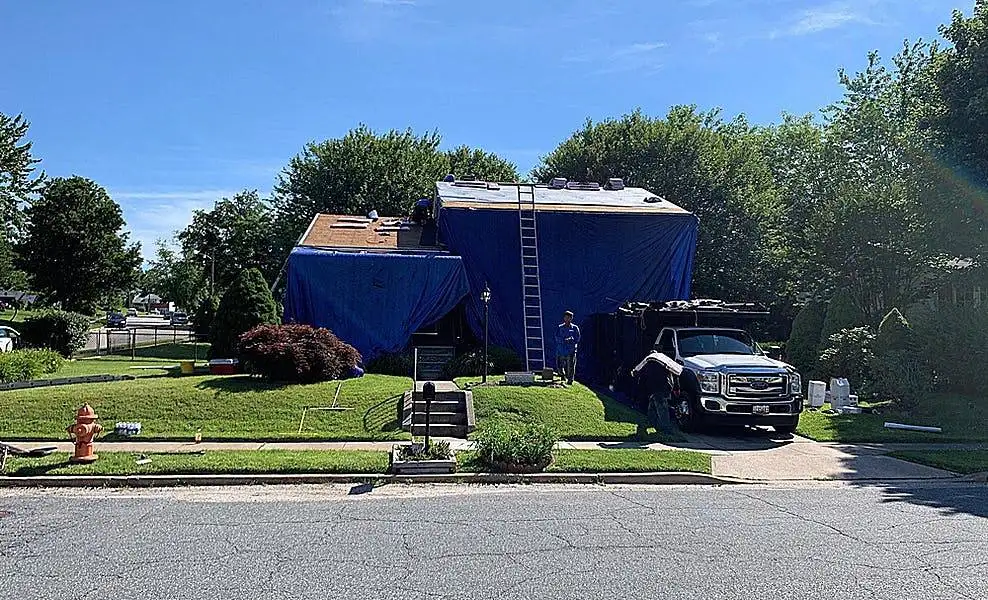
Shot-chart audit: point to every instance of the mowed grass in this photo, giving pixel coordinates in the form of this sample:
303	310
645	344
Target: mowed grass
216	462
224	407
149	361
962	418
958	461
574	413
618	460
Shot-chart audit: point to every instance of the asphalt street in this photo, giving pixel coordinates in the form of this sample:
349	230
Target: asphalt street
803	541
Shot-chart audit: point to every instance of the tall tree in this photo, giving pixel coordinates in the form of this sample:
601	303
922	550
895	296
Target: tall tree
176	278
696	160
364	171
75	248
18	185
235	235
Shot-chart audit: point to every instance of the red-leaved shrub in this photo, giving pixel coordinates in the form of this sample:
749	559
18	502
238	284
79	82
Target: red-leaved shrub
296	353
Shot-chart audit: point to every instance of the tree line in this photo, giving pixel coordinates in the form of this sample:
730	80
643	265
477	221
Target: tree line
880	197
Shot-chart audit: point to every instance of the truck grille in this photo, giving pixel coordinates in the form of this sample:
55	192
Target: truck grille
756	387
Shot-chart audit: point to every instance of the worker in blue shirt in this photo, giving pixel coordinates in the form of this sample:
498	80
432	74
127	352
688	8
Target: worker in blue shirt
567	341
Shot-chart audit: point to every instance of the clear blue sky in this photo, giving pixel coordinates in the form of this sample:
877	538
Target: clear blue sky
171	105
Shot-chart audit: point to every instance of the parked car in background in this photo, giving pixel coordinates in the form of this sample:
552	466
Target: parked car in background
131	312
179	318
116	320
9	338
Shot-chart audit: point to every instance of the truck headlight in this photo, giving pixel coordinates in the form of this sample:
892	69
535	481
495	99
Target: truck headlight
709	382
795	384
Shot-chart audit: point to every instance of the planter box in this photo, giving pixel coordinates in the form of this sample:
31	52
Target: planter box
420	467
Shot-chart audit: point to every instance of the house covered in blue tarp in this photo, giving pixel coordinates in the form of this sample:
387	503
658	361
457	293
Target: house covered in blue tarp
540	250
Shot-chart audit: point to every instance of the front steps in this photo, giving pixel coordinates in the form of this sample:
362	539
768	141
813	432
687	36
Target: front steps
451	412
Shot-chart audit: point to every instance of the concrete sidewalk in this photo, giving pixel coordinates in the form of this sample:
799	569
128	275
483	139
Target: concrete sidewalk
756	457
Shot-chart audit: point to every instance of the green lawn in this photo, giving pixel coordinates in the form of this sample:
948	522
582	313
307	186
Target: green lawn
962	418
574	413
164	355
247	461
7	316
226	408
618	460
958	461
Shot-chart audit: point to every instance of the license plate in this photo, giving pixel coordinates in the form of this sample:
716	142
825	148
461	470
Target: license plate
760	409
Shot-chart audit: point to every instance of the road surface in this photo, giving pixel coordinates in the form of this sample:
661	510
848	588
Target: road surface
811	541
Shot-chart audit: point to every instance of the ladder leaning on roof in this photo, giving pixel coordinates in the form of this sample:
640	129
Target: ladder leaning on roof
531	288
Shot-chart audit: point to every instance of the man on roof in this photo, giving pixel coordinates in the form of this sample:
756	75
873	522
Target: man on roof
567	341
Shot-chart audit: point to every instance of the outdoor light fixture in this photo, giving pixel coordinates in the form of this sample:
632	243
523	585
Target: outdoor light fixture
486	297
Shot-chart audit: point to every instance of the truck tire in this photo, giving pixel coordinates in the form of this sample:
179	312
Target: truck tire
788	428
687	414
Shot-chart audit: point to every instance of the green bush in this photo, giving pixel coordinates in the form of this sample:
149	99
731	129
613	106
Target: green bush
951	343
205	312
25	365
246	304
296	353
842	313
849	354
398	364
803	347
438	450
471	363
503	447
896	365
58	330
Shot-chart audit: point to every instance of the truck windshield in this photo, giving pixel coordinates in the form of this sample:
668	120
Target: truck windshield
693	343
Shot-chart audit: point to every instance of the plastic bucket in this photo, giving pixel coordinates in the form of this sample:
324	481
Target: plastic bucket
188	367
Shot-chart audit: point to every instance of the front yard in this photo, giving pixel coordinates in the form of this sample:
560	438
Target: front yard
224	408
962	418
574	413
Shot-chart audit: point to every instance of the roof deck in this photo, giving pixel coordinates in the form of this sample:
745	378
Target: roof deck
479	194
344	232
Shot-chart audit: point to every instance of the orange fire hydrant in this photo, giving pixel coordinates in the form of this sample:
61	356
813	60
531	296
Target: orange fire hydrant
84	430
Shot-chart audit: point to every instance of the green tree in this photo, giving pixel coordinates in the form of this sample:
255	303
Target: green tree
18	183
696	160
246	304
364	171
236	234
75	248
803	347
205	313
175	278
842	313
897	362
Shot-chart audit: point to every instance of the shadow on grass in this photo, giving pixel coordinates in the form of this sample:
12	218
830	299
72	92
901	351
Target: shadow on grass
235	384
383	416
174	351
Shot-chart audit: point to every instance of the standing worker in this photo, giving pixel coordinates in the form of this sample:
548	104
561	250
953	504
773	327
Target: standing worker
567	341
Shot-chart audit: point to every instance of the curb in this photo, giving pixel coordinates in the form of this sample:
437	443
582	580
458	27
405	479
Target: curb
76	481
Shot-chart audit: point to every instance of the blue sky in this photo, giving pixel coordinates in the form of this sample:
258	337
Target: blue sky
171	105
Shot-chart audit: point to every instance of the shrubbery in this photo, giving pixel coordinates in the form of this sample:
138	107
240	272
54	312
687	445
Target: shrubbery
951	342
849	354
58	330
471	363
398	363
803	348
24	365
246	304
897	366
504	447
205	312
842	313
296	353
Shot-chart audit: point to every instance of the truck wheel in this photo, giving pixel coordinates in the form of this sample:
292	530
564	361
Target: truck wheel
687	417
788	428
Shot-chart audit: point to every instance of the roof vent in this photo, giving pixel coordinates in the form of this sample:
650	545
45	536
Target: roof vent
491	185
471	184
449	178
652	199
588	186
614	183
557	183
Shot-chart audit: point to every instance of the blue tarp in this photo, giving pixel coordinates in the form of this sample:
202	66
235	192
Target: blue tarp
373	301
589	262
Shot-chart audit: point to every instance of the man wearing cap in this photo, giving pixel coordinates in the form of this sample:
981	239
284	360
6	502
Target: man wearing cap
567	340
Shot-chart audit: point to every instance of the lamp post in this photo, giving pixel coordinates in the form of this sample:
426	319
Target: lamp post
486	297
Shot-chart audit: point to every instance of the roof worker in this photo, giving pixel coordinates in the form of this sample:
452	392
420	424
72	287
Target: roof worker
567	342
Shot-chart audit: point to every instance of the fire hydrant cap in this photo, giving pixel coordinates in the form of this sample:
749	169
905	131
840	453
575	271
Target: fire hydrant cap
86	413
